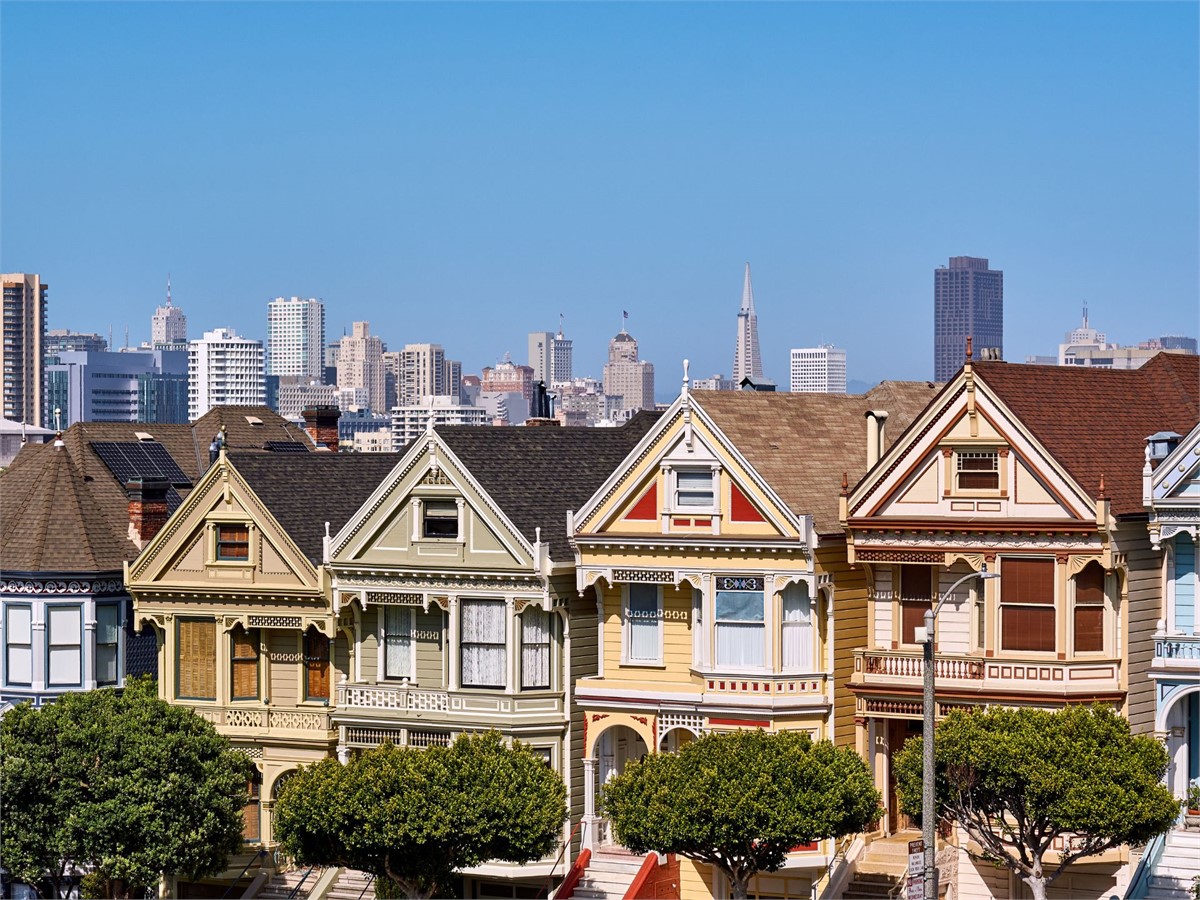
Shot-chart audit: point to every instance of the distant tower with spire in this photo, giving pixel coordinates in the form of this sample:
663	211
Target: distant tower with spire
168	328
747	359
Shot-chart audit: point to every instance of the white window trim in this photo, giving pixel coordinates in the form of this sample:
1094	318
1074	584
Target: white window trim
551	650
8	607
672	505
384	676
810	626
418	514
78	607
626	630
119	607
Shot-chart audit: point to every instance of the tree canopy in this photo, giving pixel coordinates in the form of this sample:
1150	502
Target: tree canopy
741	800
121	783
417	816
1016	779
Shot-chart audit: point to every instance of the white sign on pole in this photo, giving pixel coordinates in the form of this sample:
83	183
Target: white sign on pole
915	883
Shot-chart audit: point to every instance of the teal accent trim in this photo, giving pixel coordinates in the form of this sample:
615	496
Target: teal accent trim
1193	736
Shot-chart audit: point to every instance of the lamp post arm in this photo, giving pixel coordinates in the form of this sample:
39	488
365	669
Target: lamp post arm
949	592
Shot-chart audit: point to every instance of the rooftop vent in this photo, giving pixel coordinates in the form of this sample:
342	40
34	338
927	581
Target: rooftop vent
143	436
1160	445
254	420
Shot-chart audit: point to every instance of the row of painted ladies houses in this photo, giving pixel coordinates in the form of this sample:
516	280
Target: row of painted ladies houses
742	560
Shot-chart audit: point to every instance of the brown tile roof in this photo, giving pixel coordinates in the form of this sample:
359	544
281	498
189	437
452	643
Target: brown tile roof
303	491
536	474
802	443
1095	421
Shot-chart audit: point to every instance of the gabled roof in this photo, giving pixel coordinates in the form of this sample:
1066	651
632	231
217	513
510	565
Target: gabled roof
536	474
303	492
802	443
1095	421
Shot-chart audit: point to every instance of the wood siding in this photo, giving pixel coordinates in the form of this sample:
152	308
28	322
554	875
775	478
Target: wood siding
849	633
1139	615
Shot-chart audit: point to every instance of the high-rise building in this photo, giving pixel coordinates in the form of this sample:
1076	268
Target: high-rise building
968	302
550	356
135	386
421	371
168	326
296	337
22	352
626	376
224	370
360	364
747	358
818	370
410	421
508	377
62	340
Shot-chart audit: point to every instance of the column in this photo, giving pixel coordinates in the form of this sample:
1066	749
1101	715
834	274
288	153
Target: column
452	646
511	645
588	839
87	650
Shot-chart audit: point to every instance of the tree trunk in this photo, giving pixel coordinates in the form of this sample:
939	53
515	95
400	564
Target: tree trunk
738	887
1037	882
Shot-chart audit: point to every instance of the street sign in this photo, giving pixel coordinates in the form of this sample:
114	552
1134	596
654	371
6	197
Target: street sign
915	883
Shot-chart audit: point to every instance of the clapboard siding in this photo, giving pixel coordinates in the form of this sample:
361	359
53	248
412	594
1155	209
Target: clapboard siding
881	608
1143	609
849	634
284	650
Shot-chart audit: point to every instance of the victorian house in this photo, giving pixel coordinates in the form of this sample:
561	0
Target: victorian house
457	581
717	565
1030	474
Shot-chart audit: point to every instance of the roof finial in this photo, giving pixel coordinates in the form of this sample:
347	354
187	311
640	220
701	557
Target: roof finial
429	421
685	378
845	484
969	354
1101	486
25	438
58	419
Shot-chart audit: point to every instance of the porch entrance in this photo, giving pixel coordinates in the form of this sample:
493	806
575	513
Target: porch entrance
615	749
898	733
1183	743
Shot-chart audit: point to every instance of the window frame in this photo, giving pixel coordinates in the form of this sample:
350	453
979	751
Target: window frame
51	645
807	630
627	626
502	644
308	659
180	621
254	638
1100	605
437	502
384	634
969	453
761	626
1052	605
676	491
218	543
548	644
9	645
115	644
253	799
902	601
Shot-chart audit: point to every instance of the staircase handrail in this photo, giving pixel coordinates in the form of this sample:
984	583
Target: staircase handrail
561	852
649	864
370	881
841	845
574	874
257	856
1139	884
300	883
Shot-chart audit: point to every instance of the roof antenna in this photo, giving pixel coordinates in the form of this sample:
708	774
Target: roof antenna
560	326
168	290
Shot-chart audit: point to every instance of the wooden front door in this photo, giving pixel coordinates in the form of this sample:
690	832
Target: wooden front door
899	731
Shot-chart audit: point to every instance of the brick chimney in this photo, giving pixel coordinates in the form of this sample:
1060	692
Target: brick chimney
321	423
147	508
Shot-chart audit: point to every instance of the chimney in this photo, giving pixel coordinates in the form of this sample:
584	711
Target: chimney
147	508
876	419
321	423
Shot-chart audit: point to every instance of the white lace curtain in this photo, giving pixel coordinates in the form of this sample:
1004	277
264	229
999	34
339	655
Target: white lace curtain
397	642
535	648
741	628
483	633
644	622
797	628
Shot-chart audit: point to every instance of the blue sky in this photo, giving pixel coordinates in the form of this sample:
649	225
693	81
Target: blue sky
462	173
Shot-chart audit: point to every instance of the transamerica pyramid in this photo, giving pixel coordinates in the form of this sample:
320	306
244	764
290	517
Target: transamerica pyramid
747	359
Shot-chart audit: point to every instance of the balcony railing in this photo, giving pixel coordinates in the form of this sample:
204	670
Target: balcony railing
404	700
240	719
1177	649
1004	674
898	664
391	697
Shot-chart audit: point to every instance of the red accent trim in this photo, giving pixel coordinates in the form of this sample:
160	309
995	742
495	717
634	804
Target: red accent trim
740	507
567	888
682	523
705	522
649	864
748	723
646	509
810	847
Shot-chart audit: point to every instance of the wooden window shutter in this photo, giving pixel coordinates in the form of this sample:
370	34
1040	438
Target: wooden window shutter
1089	609
1027	601
316	665
197	659
245	663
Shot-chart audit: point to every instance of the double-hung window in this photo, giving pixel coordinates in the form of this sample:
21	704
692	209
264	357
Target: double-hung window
233	543
196	673
694	489
252	811
398	642
244	661
1027	604
108	643
916	598
316	665
535	649
643	625
65	663
18	644
483	643
797	629
978	470
740	621
439	519
1088	618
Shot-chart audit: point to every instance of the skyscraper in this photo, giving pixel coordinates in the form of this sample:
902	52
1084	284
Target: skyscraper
224	370
968	302
421	372
22	362
360	364
747	359
296	337
819	370
550	356
626	376
168	327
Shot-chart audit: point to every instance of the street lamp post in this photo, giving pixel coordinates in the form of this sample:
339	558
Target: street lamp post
928	802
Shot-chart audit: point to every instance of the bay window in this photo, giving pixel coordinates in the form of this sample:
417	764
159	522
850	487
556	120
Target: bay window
397	642
108	637
1088	618
643	624
196	646
916	598
1027	604
316	665
483	643
797	638
244	662
740	621
535	648
64	643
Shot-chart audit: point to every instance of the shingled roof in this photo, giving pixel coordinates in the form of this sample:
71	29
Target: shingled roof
1095	421
536	474
303	492
802	443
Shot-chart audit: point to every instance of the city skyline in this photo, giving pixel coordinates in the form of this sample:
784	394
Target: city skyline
830	164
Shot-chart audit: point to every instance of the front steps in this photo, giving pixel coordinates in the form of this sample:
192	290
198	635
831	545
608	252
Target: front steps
281	886
880	871
609	875
1180	863
352	884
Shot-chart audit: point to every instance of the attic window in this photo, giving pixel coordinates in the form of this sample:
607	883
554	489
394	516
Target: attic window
143	436
233	543
254	420
978	470
439	519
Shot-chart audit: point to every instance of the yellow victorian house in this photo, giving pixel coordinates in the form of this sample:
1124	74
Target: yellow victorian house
722	589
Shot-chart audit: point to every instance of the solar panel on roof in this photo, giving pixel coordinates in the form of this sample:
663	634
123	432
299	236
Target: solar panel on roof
285	447
140	459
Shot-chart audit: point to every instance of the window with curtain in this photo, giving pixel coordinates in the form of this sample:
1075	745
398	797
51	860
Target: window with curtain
316	665
740	621
797	628
18	647
65	661
1027	604
196	670
916	596
397	642
535	648
694	489
643	624
1088	623
243	654
482	643
252	811
233	543
108	638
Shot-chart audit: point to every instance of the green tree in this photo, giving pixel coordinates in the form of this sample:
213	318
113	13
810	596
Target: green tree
417	816
1016	779
120	783
740	801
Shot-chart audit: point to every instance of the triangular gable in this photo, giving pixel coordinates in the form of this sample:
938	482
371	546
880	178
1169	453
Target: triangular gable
183	555
636	499
941	466
386	531
1176	480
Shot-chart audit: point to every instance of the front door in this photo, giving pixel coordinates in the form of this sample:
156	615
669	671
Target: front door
899	731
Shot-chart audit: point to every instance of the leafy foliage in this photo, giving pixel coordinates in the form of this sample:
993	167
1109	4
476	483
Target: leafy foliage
1016	779
416	816
740	801
122	783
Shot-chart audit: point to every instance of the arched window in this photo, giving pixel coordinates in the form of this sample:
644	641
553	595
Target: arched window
316	665
797	637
